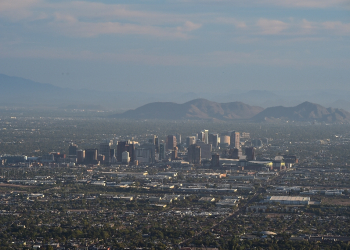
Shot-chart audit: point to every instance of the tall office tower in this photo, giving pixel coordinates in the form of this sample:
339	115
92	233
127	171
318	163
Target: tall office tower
80	156
171	142
91	155
205	150
125	157
112	153
152	140
250	153
156	144
190	153
214	140
201	136
190	140
120	149
113	156
143	155
72	150
131	150
235	139
152	151
105	149
178	138
224	141
194	154
101	158
161	151
125	146
235	153
215	161
58	156
174	154
206	136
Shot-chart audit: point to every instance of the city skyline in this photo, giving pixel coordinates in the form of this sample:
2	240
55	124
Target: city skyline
178	45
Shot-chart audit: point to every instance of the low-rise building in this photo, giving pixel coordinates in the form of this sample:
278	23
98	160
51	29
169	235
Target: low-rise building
288	200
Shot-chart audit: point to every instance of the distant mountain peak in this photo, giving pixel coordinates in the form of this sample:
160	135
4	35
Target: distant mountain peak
195	109
306	111
308	104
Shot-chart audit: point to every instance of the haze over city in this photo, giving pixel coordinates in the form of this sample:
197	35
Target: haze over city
176	124
191	46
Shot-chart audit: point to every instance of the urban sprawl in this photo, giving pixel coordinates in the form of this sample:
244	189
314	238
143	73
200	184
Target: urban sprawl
226	190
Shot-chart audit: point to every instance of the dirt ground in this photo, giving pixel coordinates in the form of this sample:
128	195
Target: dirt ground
336	201
13	185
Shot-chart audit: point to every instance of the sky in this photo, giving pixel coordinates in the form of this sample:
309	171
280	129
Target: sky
178	45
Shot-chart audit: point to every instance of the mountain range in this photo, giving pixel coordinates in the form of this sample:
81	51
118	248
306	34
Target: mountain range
304	112
21	92
195	109
208	110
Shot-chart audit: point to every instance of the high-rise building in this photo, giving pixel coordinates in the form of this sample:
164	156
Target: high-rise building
72	150
206	136
101	158
112	152
190	140
235	139
121	147
224	141
250	153
215	161
178	138
161	151
105	149
125	157
174	154
153	145
143	155
125	146
194	154
156	144
131	149
152	140
201	136
205	150
58	156
113	156
80	156
214	140
151	148
48	158
91	155
236	153
171	142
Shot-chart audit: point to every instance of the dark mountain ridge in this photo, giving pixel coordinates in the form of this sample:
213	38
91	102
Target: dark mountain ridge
303	112
7	83
20	92
204	109
195	109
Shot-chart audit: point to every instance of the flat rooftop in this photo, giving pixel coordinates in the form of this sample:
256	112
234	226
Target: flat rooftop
288	198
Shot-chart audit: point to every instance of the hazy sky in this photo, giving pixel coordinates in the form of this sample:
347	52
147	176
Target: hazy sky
184	45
